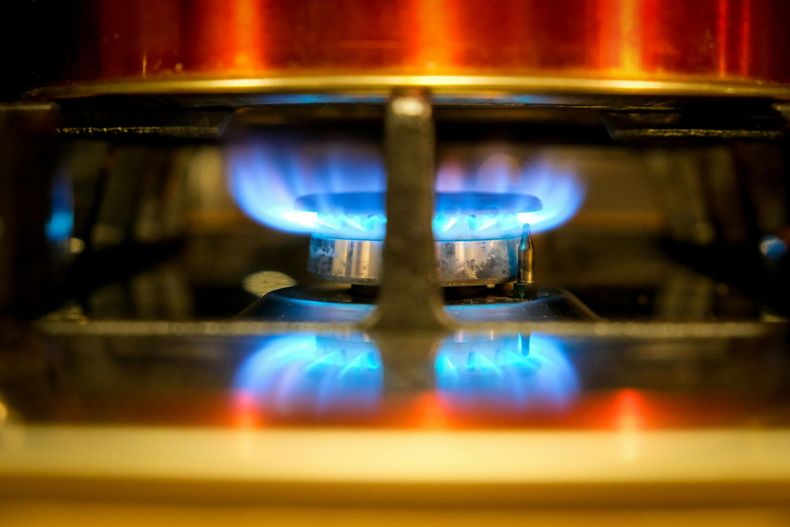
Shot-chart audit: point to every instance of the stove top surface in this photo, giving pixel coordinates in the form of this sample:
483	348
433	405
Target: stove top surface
232	411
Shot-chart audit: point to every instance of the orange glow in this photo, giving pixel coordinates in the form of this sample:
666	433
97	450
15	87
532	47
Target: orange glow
608	35
430	411
247	42
630	49
620	39
245	412
233	34
630	421
722	27
630	406
619	35
746	48
434	35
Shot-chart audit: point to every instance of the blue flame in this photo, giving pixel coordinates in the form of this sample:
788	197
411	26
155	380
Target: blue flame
268	178
312	373
560	191
509	372
61	219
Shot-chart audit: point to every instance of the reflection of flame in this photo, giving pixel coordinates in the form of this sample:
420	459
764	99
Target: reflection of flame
268	177
629	421
312	374
511	372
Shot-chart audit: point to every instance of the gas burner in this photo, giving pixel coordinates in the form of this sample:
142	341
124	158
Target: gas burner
463	257
483	279
483	220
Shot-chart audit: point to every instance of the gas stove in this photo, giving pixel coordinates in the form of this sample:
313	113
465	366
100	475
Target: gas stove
471	257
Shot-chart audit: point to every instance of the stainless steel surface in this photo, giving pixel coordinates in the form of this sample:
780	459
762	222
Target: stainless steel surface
690	331
346	261
297	305
460	87
479	262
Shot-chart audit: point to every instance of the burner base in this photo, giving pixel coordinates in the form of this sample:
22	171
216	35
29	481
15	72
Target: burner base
295	304
460	263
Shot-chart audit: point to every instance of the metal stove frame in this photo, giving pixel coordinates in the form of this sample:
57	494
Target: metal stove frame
409	320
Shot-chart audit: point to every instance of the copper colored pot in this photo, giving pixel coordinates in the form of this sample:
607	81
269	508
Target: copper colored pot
672	45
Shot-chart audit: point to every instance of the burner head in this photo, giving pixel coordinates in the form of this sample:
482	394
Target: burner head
459	216
460	263
464	255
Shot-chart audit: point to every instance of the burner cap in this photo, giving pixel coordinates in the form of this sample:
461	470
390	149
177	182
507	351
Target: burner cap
466	203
